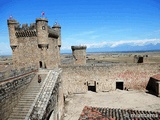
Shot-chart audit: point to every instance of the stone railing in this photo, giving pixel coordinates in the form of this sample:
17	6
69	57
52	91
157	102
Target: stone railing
46	100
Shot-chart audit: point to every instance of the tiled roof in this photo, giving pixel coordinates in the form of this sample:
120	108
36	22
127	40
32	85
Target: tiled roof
157	77
95	113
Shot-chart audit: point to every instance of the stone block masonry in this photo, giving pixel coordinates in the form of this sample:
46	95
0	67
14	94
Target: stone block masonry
10	93
76	79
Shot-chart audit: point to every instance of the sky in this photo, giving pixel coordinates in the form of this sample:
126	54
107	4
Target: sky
101	25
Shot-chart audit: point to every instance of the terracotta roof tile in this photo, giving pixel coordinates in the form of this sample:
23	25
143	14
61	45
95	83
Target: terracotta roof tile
94	113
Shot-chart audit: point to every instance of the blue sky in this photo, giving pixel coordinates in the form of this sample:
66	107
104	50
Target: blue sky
102	25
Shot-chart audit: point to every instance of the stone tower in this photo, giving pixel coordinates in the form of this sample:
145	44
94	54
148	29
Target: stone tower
79	54
37	45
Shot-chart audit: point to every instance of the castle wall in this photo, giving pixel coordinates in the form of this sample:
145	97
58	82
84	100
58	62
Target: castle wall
10	93
134	76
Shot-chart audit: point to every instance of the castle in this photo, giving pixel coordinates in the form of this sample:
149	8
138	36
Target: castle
38	46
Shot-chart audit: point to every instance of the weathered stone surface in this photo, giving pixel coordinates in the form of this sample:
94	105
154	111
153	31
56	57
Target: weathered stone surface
79	55
134	76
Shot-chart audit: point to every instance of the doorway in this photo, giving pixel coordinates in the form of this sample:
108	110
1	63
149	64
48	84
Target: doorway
140	60
40	64
119	85
91	86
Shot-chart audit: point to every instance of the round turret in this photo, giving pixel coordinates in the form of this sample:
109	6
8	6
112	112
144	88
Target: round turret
79	54
56	27
42	32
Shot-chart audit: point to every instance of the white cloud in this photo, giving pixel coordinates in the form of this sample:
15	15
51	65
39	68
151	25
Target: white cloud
114	44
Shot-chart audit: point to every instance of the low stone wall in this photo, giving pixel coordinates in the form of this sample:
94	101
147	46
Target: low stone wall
10	93
14	73
49	103
134	76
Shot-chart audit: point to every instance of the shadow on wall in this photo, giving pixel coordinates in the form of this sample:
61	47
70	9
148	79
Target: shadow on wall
153	86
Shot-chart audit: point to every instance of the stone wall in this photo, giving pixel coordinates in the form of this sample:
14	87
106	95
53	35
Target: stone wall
10	93
134	76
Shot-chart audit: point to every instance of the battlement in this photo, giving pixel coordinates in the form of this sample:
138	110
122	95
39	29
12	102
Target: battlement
78	47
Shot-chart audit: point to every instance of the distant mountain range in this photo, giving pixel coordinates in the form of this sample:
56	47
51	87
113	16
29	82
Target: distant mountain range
122	48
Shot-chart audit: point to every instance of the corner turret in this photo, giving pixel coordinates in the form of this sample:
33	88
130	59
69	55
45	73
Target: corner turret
12	31
56	27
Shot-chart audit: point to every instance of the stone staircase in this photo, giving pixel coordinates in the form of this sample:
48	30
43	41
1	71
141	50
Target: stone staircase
26	101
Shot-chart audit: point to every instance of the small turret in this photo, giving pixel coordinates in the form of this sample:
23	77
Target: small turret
42	32
11	27
57	28
79	54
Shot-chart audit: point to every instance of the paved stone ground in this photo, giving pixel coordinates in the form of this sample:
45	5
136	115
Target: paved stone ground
137	100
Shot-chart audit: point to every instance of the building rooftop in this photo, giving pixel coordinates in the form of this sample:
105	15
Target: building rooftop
95	113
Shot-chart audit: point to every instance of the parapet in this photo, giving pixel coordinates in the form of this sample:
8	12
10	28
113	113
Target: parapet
78	47
56	26
12	21
41	19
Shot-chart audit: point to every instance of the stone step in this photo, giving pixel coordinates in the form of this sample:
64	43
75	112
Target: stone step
21	109
24	95
18	113
15	118
23	99
29	96
27	99
23	105
11	117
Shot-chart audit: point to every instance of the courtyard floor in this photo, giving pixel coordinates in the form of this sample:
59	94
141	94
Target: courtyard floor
137	100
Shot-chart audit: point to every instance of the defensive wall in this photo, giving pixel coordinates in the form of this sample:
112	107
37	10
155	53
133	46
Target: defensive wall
11	91
77	79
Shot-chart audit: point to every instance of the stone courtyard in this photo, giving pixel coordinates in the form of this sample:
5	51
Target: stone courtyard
135	100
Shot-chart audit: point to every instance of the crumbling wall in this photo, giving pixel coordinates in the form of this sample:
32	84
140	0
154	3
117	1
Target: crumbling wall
10	93
134	76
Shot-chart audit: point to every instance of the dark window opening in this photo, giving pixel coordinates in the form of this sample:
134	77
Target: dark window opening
92	88
140	60
40	64
119	85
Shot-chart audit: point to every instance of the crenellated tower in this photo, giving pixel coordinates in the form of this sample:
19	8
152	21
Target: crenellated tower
37	45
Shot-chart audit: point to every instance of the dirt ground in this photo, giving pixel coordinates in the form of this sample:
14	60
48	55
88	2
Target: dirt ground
138	100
